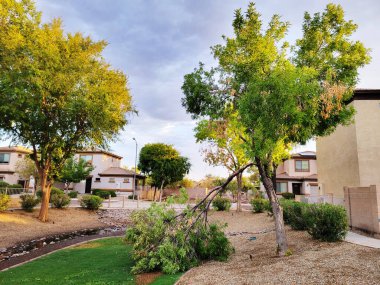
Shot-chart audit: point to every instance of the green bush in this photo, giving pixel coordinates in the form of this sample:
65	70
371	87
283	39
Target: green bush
60	200
221	204
91	202
4	201
131	196
288	196
28	202
294	214
54	190
260	205
73	194
103	193
326	222
3	184
160	242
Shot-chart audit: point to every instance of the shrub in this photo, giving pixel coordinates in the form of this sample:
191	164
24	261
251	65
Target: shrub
3	184
17	186
91	202
260	205
103	193
160	242
4	201
54	190
221	204
326	222
294	214
131	196
288	196
28	202
60	200
73	194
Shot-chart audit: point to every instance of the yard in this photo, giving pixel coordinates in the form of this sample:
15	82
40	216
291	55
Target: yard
108	261
105	261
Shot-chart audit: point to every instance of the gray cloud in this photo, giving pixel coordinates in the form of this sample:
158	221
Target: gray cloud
156	42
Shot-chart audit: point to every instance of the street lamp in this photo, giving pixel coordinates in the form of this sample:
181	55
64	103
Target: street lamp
134	175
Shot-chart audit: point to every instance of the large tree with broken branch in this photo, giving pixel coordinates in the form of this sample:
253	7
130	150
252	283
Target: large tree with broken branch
57	94
280	97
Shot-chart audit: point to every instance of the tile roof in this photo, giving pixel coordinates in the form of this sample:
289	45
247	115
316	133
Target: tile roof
119	171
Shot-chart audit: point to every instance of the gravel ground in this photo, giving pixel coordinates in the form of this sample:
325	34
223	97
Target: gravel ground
312	262
18	225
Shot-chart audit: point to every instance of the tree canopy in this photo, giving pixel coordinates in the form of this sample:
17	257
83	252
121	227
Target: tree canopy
75	171
57	93
281	94
163	164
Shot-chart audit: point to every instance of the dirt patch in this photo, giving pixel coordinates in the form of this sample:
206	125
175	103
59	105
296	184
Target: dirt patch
312	262
17	225
147	278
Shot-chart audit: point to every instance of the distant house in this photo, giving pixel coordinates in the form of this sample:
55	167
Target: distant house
350	156
298	174
9	156
107	173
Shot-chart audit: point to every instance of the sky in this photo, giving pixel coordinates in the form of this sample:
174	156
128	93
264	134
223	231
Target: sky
155	43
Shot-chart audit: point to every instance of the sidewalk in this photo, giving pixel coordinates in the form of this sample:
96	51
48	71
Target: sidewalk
362	240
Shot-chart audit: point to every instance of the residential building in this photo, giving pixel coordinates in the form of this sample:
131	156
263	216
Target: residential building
107	173
298	174
350	156
9	156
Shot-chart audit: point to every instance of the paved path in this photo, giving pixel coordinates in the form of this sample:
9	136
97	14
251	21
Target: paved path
362	240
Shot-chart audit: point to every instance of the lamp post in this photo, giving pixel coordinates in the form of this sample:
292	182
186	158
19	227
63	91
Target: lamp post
134	175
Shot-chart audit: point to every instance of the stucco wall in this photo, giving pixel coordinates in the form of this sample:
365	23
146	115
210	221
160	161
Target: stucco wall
351	155
11	166
338	161
367	124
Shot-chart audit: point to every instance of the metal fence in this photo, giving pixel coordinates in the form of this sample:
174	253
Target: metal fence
13	191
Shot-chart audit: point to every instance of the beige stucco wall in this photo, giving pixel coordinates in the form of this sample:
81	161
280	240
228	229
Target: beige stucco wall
351	155
367	124
11	166
289	167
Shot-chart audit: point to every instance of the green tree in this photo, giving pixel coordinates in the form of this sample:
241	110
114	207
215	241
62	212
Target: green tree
280	97
163	163
27	168
225	147
74	171
57	94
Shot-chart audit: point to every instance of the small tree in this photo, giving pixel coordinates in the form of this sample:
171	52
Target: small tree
74	171
27	168
163	163
280	98
57	94
225	146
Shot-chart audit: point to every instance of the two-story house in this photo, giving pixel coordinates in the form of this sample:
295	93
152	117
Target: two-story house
107	173
298	174
9	156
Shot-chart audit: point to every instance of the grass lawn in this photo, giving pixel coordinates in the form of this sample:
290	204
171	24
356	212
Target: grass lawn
105	261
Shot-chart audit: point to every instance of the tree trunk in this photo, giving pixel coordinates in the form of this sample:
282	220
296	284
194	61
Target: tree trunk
282	243
239	179
161	190
45	188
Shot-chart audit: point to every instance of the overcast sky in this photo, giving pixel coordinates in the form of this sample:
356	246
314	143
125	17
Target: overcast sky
156	42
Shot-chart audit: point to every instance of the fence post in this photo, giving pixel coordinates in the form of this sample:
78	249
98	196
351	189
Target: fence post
123	200
138	201
109	201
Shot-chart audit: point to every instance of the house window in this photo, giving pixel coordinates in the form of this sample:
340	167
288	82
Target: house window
97	179
302	166
111	180
126	180
19	155
281	187
4	158
87	158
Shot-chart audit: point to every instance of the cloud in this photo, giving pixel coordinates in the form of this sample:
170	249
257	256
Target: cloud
156	42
